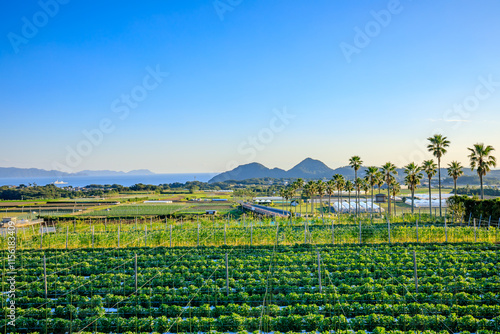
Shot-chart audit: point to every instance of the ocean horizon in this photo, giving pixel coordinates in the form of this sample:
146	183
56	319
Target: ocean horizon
124	180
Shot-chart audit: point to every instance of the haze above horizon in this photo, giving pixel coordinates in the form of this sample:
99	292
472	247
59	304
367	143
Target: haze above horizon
204	86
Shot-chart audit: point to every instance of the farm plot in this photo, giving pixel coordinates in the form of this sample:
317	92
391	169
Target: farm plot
337	289
139	210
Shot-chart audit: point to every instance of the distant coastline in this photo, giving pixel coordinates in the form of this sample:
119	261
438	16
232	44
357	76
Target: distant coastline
124	180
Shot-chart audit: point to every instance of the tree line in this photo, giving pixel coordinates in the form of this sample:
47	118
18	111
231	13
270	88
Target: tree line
480	157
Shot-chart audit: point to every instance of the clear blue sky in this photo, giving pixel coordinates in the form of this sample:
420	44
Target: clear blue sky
232	66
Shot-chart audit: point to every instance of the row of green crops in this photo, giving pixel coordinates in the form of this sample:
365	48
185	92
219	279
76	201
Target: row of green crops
135	233
266	288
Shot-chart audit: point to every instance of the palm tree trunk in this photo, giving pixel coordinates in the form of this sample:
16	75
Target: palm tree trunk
389	198
455	186
439	175
481	180
371	213
338	200
349	202
430	202
321	205
357	191
329	203
412	200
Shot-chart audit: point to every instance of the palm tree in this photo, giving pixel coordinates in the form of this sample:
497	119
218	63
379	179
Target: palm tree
396	189
455	171
309	190
429	167
349	186
389	170
481	160
283	194
412	180
358	184
371	179
379	178
320	189
438	145
330	189
365	187
339	184
355	162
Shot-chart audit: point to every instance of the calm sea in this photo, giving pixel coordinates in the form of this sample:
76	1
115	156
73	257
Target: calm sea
124	180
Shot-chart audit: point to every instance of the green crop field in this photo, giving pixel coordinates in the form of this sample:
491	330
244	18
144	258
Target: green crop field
138	210
327	289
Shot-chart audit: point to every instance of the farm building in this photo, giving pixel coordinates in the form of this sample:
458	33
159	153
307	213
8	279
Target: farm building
267	200
380	198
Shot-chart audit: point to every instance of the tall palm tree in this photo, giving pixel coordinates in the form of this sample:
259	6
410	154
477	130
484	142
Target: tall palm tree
481	160
320	190
437	146
396	189
349	186
455	171
371	179
355	162
365	186
339	184
358	185
379	180
330	189
307	191
283	194
389	170
429	167
412	179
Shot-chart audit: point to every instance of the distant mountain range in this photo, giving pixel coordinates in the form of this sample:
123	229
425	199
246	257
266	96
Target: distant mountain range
306	169
311	169
12	172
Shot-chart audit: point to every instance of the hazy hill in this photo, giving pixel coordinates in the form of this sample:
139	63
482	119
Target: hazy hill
13	172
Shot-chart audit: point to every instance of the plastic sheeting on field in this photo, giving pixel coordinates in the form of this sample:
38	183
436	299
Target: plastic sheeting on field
346	207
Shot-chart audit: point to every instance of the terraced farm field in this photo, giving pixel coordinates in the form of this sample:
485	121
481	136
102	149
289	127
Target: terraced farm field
136	210
343	288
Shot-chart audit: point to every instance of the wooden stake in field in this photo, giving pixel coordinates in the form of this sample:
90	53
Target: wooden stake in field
415	271
445	230
45	276
92	236
225	234
389	228
145	236
118	243
475	230
251	232
135	270
333	234
360	231
198	235
67	231
319	273
227	276
417	229
170	236
305	232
